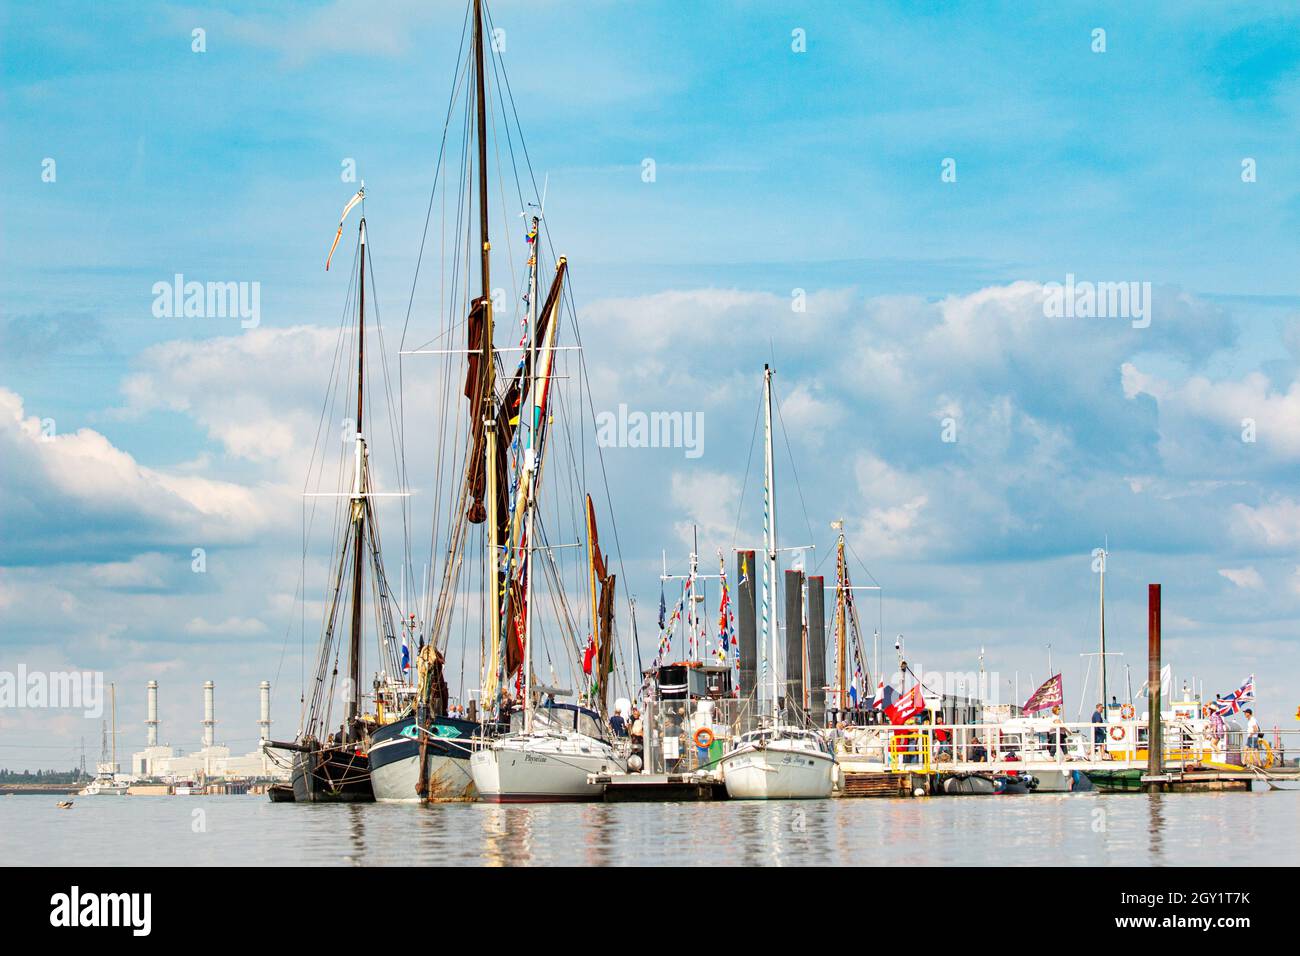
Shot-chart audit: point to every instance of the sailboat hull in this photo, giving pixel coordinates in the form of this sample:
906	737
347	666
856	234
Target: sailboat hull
523	768
395	762
332	775
775	772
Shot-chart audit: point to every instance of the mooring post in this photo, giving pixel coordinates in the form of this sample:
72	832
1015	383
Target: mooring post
1155	739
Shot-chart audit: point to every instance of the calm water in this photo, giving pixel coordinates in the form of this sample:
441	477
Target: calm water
1084	829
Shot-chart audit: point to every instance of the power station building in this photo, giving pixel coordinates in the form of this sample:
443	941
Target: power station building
212	760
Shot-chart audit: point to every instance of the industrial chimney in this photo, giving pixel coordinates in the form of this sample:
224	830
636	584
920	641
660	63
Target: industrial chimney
209	715
151	724
265	722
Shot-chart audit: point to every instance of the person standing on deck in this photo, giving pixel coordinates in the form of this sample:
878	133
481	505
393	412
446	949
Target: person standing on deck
1055	735
1098	729
618	724
1253	736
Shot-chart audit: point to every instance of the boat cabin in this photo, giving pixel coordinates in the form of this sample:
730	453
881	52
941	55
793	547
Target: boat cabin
693	679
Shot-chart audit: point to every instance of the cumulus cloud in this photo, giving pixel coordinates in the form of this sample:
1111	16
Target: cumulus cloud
72	496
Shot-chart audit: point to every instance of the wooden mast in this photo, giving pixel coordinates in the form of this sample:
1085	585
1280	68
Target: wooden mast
488	407
358	508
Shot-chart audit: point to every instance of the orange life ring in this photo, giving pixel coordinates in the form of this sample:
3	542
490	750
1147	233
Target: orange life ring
703	738
1117	732
1126	712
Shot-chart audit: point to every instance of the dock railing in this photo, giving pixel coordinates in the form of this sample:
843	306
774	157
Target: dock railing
937	748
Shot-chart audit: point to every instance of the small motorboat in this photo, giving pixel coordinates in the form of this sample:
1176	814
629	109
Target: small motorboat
64	804
970	783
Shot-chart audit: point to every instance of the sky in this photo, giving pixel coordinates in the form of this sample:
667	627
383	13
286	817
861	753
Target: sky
872	197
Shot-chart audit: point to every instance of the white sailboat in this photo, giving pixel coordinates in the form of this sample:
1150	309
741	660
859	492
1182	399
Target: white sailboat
781	761
549	762
105	782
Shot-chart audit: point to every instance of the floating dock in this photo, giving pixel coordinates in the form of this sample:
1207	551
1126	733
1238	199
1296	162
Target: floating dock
885	784
639	787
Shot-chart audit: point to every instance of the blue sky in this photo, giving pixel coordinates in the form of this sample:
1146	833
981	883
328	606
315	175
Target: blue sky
775	170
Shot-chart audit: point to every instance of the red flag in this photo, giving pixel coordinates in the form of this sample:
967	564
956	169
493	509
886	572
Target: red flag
1046	697
907	706
587	655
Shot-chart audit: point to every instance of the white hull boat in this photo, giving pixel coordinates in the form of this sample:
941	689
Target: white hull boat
541	767
103	788
786	764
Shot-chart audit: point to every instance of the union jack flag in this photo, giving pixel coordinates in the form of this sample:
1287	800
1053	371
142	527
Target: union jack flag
1225	706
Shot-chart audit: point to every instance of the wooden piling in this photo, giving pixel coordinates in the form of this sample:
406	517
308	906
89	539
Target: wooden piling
1155	764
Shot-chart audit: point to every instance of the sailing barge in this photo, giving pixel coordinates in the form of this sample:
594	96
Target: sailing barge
331	763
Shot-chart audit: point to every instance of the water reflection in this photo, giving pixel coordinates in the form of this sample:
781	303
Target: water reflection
1156	826
1043	829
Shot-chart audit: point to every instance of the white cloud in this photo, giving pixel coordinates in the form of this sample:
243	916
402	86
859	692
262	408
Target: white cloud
74	493
1247	578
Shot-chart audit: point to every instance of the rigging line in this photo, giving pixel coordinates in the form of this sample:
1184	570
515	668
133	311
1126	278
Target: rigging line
308	511
862	563
749	461
505	219
790	454
437	170
498	70
505	81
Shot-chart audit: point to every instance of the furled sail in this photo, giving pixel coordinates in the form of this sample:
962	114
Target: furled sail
511	514
519	395
476	387
602	611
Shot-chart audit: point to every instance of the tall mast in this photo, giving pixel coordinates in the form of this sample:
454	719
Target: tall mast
358	505
1102	676
112	692
841	612
769	506
488	358
532	466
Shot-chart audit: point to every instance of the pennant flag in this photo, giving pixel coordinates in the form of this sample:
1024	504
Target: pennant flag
907	706
726	629
1046	697
361	194
663	608
1225	706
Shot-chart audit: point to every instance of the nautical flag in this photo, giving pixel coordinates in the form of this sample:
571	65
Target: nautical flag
853	696
1166	682
1046	697
907	706
1237	699
663	608
587	656
726	633
406	655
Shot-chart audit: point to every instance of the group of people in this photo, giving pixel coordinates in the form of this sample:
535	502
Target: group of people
630	727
